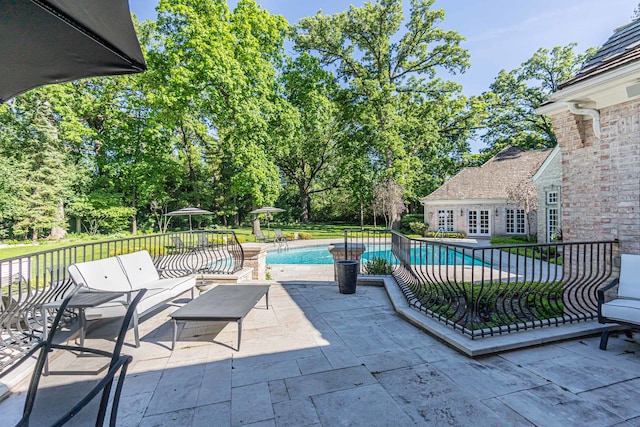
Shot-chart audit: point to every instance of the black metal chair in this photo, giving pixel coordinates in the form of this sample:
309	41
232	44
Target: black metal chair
118	363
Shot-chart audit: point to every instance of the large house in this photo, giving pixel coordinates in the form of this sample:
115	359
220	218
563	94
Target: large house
477	200
596	119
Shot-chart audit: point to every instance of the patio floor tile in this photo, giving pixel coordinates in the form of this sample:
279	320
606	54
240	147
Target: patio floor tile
320	358
250	404
368	405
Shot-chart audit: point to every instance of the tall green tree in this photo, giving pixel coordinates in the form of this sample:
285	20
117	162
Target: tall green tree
36	154
387	66
515	94
309	129
133	156
216	73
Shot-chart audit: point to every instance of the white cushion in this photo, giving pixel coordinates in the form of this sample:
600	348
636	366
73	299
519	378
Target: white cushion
153	298
626	310
104	274
113	308
175	285
629	286
139	268
118	306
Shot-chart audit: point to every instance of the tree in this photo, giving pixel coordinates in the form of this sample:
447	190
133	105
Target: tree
385	77
31	141
387	201
216	80
636	13
309	130
133	157
515	95
524	194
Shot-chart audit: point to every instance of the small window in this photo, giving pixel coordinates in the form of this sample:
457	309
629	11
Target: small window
552	198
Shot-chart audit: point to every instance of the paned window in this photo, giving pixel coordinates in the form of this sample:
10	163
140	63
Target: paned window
515	221
445	220
552	224
552	198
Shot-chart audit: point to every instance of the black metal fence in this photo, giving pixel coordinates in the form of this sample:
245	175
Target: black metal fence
490	290
29	281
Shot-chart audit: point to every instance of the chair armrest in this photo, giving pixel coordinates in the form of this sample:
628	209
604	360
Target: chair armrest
602	291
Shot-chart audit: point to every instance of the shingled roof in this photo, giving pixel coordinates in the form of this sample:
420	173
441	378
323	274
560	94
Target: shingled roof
622	48
493	179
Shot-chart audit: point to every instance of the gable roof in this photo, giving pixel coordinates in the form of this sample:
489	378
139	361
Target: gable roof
493	179
622	48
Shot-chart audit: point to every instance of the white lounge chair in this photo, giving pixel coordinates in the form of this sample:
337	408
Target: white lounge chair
624	309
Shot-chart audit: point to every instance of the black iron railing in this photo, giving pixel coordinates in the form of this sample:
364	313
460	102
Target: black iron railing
492	290
29	281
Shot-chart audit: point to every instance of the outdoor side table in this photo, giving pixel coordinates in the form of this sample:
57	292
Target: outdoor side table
82	300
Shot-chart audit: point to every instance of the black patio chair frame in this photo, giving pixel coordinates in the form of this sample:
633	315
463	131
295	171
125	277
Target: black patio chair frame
119	363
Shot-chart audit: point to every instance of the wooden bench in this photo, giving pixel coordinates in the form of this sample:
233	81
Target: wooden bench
224	303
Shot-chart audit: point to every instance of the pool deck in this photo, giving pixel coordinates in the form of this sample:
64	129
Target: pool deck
320	358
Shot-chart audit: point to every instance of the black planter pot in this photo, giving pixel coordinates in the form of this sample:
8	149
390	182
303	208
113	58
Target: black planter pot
347	276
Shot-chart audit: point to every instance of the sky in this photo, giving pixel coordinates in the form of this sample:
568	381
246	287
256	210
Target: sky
500	34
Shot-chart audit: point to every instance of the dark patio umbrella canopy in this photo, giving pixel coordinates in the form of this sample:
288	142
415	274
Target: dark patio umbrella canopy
267	210
188	211
54	41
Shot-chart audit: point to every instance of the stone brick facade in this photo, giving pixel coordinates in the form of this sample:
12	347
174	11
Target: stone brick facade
601	178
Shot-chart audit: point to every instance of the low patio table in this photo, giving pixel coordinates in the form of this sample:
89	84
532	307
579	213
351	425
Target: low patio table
224	303
80	301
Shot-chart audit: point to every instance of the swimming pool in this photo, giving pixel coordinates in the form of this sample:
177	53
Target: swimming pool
320	254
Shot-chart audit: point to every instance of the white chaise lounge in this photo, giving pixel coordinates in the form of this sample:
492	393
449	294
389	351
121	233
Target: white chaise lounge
128	274
624	309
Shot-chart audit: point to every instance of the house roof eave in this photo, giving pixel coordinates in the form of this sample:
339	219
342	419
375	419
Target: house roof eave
462	202
601	90
555	152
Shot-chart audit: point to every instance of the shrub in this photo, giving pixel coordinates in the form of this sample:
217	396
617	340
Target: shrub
406	220
242	238
289	235
378	266
419	227
304	235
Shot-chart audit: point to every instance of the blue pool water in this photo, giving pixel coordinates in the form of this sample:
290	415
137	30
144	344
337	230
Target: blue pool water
321	255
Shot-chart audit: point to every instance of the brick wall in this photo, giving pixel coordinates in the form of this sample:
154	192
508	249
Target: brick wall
601	178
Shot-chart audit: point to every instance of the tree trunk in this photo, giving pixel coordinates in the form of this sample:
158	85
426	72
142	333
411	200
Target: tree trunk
78	225
256	224
57	232
134	219
304	204
361	211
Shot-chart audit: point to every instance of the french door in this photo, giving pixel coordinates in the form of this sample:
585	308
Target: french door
478	222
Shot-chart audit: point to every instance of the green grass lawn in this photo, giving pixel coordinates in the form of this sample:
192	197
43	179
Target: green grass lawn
315	231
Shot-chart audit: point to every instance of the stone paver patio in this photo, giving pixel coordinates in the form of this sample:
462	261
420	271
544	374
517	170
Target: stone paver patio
320	358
